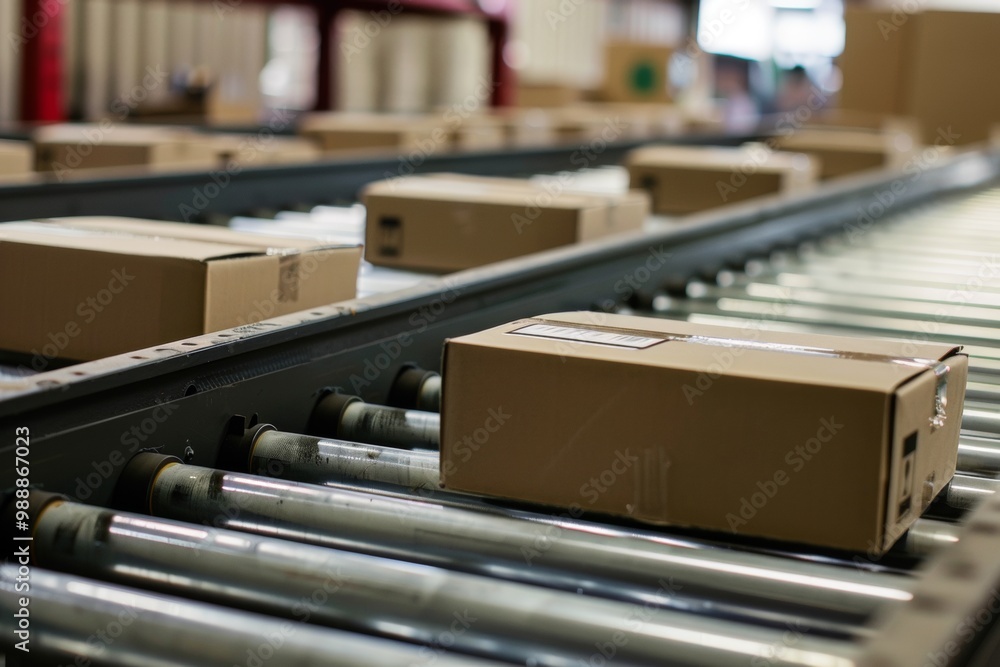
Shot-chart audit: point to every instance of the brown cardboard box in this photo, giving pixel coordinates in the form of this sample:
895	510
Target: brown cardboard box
448	224
875	62
687	179
547	95
388	132
842	152
954	88
824	440
627	210
477	132
86	288
16	157
636	72
63	148
526	127
258	150
932	65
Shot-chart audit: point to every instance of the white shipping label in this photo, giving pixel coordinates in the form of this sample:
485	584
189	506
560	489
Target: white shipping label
588	336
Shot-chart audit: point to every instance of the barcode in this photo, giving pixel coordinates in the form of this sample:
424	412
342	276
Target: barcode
587	336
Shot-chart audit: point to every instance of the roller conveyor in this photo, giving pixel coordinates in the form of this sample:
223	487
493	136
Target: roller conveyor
247	519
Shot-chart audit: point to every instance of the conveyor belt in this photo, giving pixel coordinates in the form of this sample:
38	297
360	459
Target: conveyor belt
183	506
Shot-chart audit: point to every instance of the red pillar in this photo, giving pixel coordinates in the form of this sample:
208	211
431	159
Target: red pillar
326	17
39	39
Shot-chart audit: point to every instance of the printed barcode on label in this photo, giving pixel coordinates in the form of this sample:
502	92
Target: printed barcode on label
587	336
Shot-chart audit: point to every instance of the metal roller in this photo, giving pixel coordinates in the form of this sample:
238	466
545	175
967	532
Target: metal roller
303	458
350	418
512	622
417	389
72	618
504	547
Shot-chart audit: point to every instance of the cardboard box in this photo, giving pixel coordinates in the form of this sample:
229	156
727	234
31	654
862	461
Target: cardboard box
478	132
258	151
86	288
387	132
627	209
874	64
636	72
842	152
931	65
954	89
684	180
525	128
447	224
63	148
825	440
547	95
16	157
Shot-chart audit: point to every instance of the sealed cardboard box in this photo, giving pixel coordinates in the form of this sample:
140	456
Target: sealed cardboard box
16	157
684	180
448	224
86	288
65	148
825	440
924	64
526	127
547	95
635	72
477	132
353	131
842	152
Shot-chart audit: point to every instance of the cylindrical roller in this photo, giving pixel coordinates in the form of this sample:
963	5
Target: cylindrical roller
416	388
927	536
72	618
965	492
316	460
979	456
981	421
303	458
350	418
515	549
511	622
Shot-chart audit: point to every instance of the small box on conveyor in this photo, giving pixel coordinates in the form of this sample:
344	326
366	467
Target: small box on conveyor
842	151
87	288
682	179
16	157
386	132
66	148
831	441
447	223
